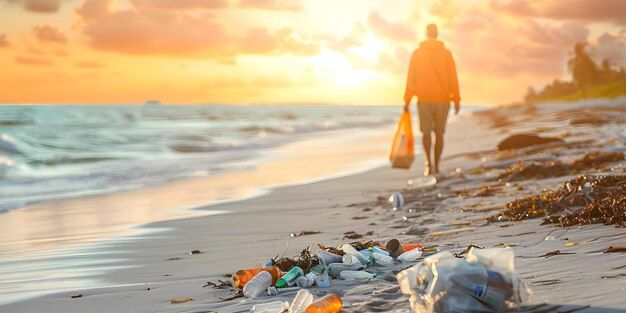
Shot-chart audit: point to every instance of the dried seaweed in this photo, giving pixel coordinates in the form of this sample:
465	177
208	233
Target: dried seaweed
584	200
615	249
537	170
354	235
221	284
305	233
306	260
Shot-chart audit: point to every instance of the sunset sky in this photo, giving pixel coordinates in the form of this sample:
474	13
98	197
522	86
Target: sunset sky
288	52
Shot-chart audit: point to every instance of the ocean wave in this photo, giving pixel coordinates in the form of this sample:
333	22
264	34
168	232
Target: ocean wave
266	129
72	160
7	144
5	165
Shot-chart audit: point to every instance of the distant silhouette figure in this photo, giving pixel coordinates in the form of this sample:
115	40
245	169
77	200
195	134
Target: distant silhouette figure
432	78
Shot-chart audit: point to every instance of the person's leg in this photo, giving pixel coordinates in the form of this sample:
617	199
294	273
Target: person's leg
426	143
441	116
425	118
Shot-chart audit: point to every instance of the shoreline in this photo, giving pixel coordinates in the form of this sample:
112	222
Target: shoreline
160	267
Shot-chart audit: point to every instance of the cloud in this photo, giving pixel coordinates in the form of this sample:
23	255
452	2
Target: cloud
4	42
181	4
611	46
89	64
48	34
272	5
138	30
38	6
33	61
391	31
583	10
487	42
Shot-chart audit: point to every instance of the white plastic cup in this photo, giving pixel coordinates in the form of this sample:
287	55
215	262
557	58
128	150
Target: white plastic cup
350	250
328	258
257	285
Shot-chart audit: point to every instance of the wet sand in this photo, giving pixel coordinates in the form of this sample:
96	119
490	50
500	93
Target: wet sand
156	267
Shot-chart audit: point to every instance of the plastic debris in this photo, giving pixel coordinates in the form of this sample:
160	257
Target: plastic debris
615	249
242	277
306	280
182	300
484	282
257	285
301	301
397	201
289	279
273	291
410	256
336	268
356	275
330	303
327	257
270	307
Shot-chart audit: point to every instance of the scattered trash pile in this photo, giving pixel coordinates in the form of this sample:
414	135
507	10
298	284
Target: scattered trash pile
483	282
584	200
293	275
535	170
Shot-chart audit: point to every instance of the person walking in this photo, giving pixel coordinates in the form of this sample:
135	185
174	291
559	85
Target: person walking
432	79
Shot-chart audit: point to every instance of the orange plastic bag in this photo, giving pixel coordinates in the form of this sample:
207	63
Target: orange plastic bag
401	151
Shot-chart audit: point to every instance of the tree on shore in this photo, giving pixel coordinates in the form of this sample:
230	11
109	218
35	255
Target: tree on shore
584	71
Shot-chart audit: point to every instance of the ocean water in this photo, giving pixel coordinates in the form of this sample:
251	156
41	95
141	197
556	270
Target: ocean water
56	152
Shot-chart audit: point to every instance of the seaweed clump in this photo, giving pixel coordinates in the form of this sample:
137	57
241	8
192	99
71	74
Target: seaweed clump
584	200
524	171
306	261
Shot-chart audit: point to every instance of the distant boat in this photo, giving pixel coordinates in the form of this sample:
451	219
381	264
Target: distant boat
152	103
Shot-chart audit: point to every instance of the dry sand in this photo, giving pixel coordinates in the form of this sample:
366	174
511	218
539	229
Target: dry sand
257	229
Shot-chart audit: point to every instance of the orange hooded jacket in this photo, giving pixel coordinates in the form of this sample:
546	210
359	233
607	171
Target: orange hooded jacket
432	74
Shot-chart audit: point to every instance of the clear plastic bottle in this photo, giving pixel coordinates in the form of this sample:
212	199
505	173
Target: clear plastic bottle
242	277
356	275
270	307
350	250
327	257
410	256
257	285
301	301
289	279
336	268
382	260
350	259
273	291
330	303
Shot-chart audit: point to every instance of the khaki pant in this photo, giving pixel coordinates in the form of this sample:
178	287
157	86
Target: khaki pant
433	117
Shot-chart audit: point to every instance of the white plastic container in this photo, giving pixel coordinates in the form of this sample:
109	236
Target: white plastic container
270	307
302	300
257	285
410	256
273	291
327	258
350	259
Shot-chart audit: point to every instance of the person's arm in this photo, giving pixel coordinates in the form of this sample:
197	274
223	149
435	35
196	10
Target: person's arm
454	84
410	83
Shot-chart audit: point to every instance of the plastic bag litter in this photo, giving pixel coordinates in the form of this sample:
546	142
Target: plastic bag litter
484	282
401	151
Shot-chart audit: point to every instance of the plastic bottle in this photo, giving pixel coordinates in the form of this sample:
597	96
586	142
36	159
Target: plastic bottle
381	259
301	301
350	250
257	285
242	277
356	275
410	256
350	259
290	278
270	307
306	280
273	291
330	303
336	268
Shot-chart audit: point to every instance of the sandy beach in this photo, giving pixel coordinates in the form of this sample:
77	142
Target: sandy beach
143	269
